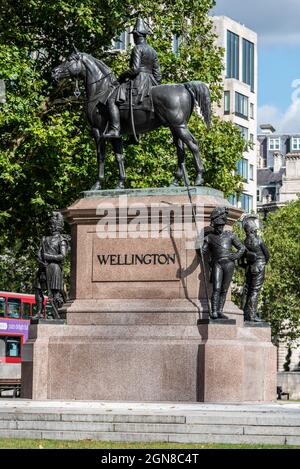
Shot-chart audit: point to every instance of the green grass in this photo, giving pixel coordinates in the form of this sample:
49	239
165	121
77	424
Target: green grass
7	443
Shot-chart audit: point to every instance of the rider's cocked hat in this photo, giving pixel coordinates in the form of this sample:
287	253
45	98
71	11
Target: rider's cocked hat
219	216
141	27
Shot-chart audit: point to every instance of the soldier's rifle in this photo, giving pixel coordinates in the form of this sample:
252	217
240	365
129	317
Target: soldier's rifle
187	185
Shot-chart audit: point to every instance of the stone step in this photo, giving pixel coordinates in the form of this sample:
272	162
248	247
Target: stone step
151	422
152	437
150	428
212	418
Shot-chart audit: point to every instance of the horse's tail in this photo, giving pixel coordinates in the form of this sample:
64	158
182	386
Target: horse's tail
201	95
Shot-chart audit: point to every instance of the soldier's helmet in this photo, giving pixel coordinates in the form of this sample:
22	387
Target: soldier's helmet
219	216
250	223
140	27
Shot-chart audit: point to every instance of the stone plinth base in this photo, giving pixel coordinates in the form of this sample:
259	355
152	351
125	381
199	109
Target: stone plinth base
149	357
134	329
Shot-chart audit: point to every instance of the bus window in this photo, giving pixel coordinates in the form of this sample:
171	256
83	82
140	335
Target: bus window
13	347
14	308
2	307
2	347
26	310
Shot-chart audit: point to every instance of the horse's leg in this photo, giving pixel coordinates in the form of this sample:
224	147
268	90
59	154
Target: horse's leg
187	137
117	145
100	146
180	156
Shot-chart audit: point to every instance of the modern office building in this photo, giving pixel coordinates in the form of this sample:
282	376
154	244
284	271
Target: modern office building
278	173
240	97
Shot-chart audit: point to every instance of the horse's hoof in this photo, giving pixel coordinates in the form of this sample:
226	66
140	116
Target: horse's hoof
96	186
174	183
199	181
120	186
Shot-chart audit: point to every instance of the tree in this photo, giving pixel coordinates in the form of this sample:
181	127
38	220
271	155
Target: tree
47	155
279	299
281	290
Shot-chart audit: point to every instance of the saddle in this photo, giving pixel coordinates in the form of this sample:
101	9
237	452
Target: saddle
123	99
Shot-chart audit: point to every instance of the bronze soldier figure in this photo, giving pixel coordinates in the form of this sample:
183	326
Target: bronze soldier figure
144	71
50	257
254	261
219	245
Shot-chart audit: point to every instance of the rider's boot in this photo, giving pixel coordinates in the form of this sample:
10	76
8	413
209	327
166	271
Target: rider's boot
114	120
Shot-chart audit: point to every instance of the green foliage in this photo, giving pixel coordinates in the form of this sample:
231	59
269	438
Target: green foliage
47	154
279	299
282	286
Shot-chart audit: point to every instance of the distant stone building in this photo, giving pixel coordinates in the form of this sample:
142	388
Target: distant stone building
278	173
240	97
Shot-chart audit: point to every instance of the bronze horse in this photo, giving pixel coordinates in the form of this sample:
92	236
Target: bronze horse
172	104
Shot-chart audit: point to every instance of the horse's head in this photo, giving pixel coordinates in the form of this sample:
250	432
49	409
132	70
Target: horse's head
70	68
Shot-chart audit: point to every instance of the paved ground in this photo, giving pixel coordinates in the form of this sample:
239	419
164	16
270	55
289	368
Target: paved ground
167	408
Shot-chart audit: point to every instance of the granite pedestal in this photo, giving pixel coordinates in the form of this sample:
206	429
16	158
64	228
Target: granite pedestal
137	326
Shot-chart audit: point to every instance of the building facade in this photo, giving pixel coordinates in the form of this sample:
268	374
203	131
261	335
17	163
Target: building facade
240	97
278	173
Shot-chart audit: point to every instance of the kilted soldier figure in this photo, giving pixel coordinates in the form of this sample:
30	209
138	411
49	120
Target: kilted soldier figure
254	261
219	244
50	257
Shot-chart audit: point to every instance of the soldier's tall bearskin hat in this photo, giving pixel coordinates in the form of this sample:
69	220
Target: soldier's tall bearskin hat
57	219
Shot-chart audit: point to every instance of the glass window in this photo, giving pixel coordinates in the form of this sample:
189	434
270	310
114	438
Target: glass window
232	60
226	102
252	111
296	143
242	168
244	131
232	199
246	202
241	105
2	347
274	143
251	172
26	310
257	195
248	63
2	307
176	41
121	42
13	347
14	308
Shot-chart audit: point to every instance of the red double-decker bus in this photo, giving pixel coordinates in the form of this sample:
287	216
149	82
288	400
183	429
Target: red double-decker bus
16	309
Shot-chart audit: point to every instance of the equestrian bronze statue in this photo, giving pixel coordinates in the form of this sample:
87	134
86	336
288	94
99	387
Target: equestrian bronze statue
138	105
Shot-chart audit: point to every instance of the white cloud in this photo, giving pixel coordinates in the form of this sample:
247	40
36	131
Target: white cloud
269	115
287	121
275	21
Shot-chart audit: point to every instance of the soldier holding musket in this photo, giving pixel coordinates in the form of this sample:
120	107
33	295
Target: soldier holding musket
219	244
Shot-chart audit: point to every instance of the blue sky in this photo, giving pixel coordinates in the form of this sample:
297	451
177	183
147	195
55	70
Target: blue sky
277	25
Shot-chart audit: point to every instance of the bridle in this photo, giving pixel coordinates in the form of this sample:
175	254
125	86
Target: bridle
77	91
